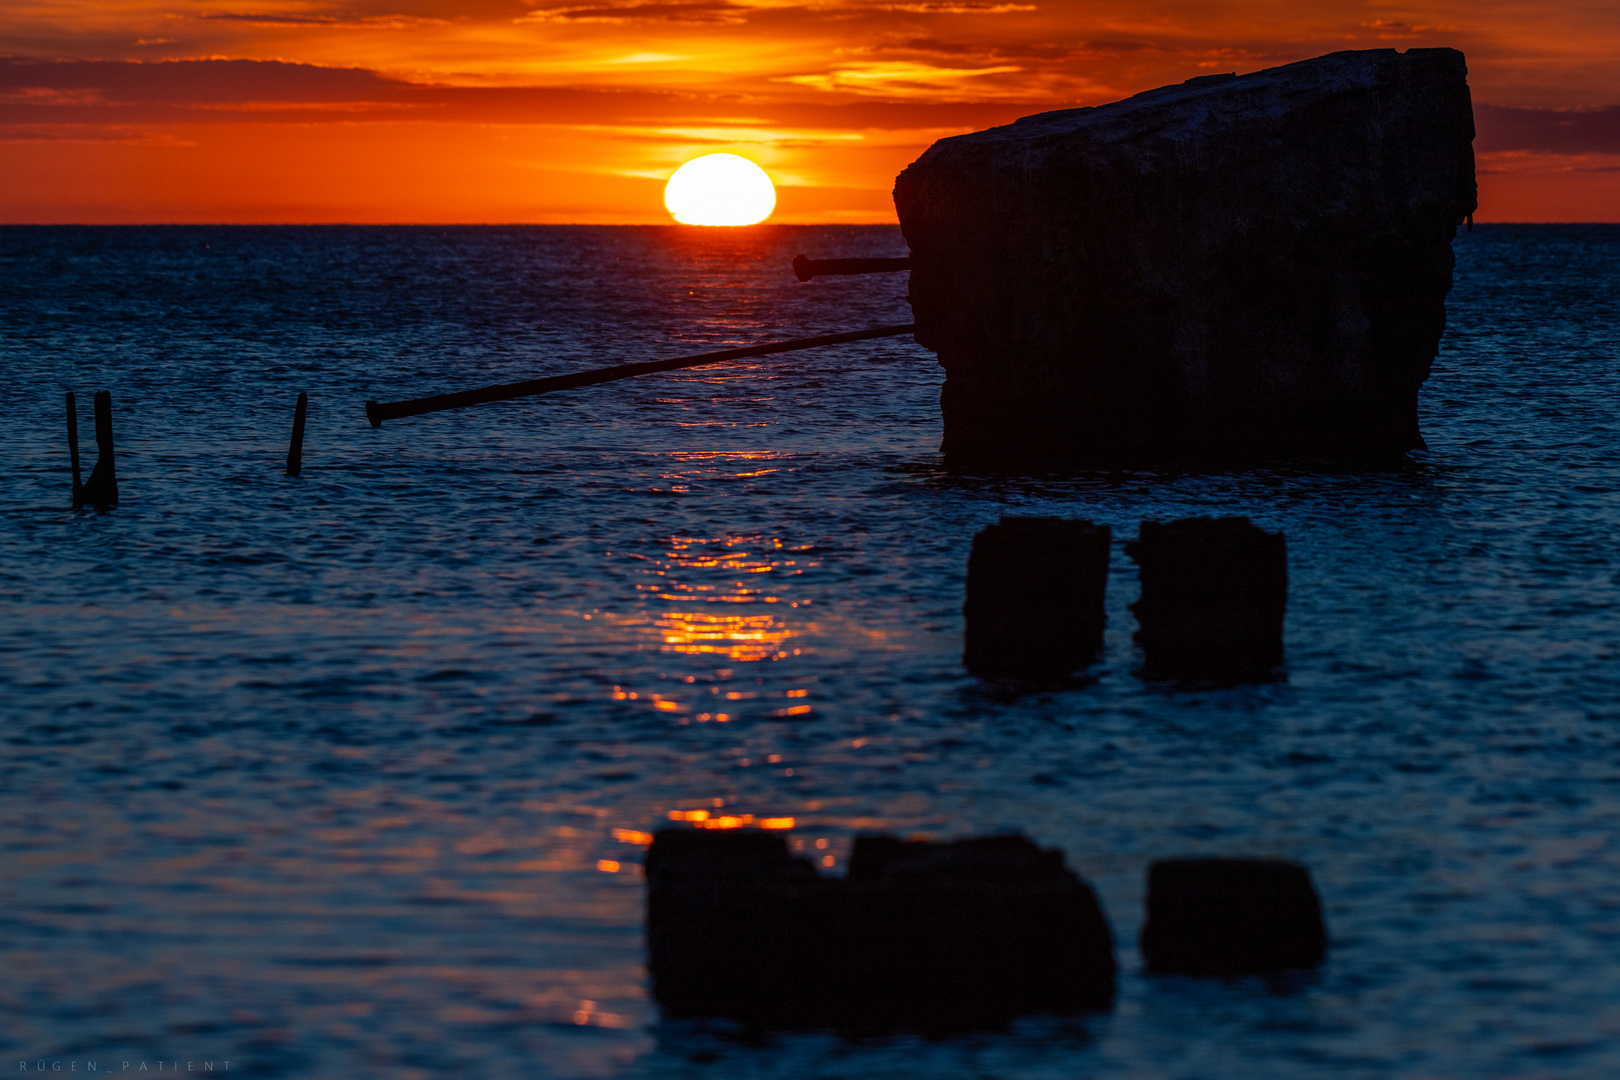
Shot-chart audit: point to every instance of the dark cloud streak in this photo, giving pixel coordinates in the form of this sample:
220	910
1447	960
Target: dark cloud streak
215	91
684	13
184	82
1547	131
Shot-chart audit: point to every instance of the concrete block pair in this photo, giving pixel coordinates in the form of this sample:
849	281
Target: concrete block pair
1214	593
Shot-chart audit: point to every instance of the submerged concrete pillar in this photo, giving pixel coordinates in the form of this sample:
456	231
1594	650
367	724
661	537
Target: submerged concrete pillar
1214	593
1240	266
934	937
1231	917
1035	597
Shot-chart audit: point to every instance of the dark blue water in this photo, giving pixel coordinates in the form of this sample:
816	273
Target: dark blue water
344	775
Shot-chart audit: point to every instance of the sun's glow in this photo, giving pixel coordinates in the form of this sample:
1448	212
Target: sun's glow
720	189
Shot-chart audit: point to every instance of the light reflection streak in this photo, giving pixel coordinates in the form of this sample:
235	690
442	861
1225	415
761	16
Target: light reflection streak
711	582
703	819
739	637
744	638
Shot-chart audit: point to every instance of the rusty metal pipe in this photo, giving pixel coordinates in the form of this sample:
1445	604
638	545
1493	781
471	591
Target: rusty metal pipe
378	411
805	269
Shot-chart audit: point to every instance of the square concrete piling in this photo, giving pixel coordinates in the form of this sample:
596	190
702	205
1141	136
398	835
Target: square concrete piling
1214	593
1231	917
1035	597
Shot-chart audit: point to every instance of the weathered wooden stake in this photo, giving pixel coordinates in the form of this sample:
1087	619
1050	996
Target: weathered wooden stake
73	449
295	452
101	490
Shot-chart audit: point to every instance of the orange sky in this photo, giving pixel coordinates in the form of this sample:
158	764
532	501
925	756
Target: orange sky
576	111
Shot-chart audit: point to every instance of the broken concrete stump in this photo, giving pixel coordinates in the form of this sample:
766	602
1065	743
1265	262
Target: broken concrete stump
1214	592
932	937
101	490
1231	917
1238	267
1035	597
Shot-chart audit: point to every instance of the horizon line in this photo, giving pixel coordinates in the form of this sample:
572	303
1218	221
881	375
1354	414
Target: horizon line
541	224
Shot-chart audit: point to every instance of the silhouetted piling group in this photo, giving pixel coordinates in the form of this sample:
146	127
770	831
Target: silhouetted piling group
940	937
101	490
918	935
1214	593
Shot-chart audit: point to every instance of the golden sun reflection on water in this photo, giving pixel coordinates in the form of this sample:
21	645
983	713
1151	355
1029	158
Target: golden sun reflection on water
703	819
744	638
729	598
755	567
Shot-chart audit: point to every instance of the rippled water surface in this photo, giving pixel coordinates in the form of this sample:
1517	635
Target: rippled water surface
345	775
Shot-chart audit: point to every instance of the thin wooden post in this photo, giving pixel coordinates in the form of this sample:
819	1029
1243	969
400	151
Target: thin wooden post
73	448
101	490
378	411
295	452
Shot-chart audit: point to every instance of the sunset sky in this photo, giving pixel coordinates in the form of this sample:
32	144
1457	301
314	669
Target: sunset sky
577	111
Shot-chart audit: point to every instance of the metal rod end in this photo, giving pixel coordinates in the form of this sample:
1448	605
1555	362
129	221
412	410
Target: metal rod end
371	414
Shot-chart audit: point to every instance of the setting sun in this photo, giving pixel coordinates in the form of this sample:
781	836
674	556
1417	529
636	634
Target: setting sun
720	189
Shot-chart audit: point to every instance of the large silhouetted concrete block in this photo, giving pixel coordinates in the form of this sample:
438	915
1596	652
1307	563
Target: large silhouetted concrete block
924	936
1035	596
1231	917
1237	266
1214	593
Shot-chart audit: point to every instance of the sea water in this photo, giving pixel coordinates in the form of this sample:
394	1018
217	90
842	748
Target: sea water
350	774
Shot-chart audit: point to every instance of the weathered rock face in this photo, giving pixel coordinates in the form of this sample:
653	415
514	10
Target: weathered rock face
1238	266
